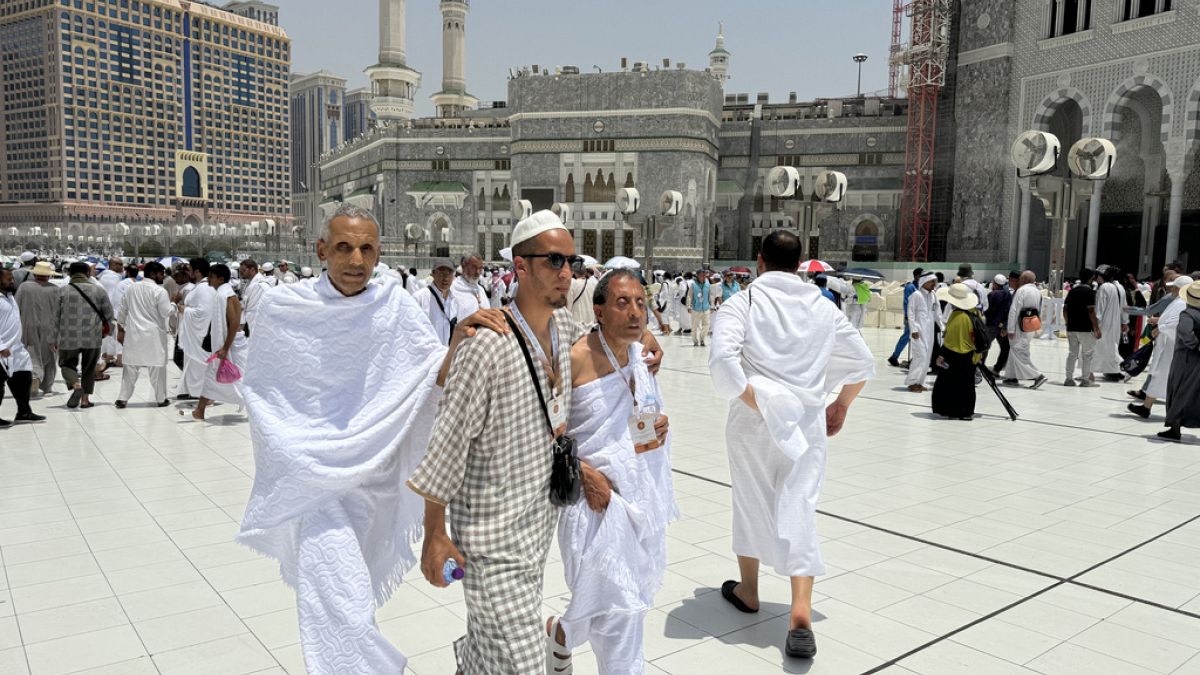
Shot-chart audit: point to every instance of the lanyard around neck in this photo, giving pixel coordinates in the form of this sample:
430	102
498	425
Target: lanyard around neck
612	359
551	366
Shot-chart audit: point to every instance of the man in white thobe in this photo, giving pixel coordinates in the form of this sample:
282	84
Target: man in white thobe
439	303
1020	360
332	452
111	279
14	358
922	314
286	275
194	325
143	322
469	296
778	424
1111	311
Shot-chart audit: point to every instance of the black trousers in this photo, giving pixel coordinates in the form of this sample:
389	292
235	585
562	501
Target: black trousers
70	360
995	336
19	384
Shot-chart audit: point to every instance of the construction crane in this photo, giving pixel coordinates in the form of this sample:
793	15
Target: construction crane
895	60
926	57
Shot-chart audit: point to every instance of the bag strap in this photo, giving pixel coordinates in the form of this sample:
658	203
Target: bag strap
537	385
433	292
89	302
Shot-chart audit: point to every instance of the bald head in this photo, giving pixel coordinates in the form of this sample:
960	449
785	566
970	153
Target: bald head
116	265
1028	277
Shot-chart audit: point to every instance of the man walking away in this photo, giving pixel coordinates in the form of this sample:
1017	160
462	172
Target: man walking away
144	320
1020	365
83	311
1083	329
996	316
38	302
1114	321
1183	387
922	321
778	424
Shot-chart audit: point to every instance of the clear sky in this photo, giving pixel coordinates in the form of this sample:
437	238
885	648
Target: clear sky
777	46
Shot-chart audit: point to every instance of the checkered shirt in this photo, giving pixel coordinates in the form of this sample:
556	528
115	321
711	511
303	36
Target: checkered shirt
489	459
78	326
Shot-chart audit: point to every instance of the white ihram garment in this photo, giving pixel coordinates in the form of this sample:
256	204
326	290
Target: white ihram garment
193	326
216	391
614	561
10	336
1020	360
468	297
1110	312
146	317
777	456
252	298
111	281
923	321
685	316
580	296
439	315
1164	350
332	454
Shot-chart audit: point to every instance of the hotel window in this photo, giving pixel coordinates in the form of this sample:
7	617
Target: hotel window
1067	17
1136	9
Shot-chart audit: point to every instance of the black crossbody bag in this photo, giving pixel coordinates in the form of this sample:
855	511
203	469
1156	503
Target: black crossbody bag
454	321
566	477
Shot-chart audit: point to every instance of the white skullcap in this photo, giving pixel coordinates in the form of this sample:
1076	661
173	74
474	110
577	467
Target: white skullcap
268	267
538	223
28	256
1000	279
1182	282
306	271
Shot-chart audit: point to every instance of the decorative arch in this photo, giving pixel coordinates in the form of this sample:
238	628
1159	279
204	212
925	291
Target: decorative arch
1192	117
191	183
867	225
1109	129
1049	105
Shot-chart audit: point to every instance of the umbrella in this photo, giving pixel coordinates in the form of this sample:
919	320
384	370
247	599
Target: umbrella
739	270
987	376
621	262
588	261
863	273
171	260
815	266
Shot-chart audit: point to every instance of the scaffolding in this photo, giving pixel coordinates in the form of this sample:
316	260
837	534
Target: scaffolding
926	57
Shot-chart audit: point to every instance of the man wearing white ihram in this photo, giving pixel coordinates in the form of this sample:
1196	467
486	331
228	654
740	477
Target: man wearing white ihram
1020	360
332	452
194	324
779	423
614	544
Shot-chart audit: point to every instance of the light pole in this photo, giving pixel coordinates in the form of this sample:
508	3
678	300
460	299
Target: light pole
860	58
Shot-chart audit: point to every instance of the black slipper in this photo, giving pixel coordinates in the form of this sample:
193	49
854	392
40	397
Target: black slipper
733	599
801	644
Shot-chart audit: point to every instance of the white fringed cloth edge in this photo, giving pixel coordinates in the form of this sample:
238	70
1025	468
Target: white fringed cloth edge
341	395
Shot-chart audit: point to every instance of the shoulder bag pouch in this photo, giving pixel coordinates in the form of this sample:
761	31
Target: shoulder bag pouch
1031	320
566	477
105	327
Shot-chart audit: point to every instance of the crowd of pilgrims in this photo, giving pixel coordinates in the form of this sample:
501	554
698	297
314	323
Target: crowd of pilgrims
426	382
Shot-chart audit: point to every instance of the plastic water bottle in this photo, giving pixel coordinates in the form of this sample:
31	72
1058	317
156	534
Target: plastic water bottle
451	572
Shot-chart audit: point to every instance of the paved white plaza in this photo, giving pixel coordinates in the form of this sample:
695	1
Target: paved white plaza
1066	542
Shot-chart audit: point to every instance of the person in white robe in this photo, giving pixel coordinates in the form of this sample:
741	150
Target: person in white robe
228	343
111	278
332	453
613	543
143	323
583	287
779	424
1111	311
923	319
499	290
286	275
194	325
438	303
1020	360
253	288
15	360
683	288
469	295
1165	333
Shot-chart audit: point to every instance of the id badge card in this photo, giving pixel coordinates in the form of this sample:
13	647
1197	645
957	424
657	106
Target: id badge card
558	414
641	429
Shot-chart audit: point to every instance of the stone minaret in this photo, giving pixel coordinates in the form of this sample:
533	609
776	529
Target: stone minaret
393	83
453	99
718	58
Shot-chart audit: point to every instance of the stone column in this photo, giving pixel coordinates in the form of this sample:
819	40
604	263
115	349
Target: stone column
1176	169
1093	227
1023	226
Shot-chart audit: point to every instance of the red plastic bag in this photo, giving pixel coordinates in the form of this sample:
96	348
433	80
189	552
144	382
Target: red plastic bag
227	372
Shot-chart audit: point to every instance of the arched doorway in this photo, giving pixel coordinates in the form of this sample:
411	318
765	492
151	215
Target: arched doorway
1135	202
867	231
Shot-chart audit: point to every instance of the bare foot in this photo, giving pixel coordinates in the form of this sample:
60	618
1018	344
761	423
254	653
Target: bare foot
198	415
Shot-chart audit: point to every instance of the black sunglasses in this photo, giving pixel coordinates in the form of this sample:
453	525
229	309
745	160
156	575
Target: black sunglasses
556	260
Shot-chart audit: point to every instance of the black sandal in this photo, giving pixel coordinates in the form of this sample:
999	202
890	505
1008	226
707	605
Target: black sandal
801	644
733	599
